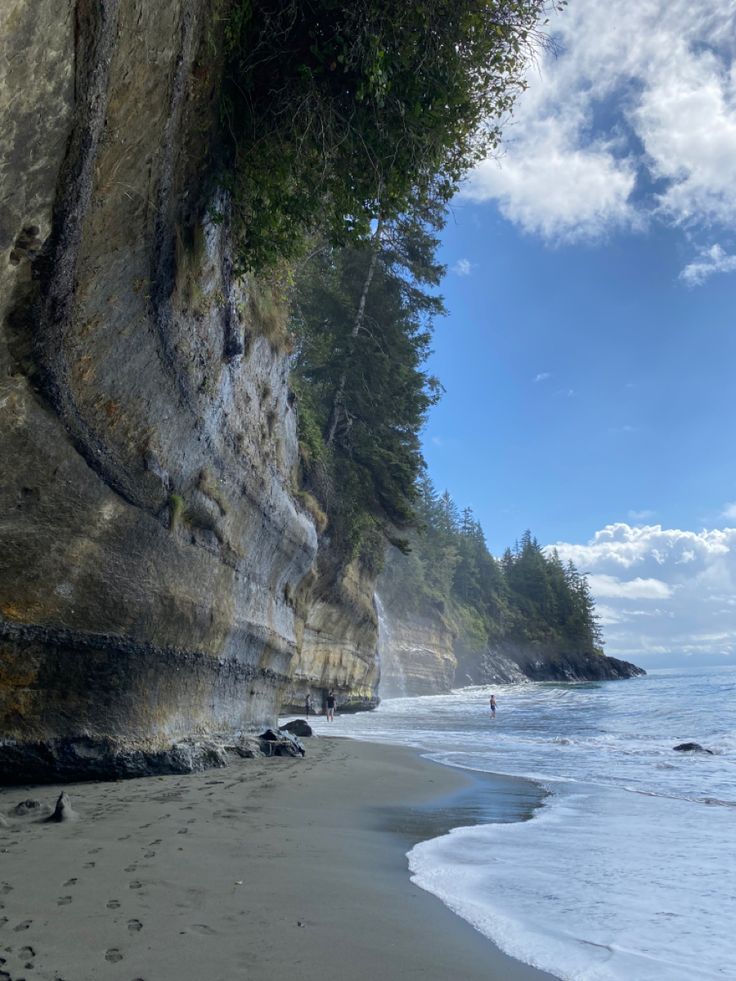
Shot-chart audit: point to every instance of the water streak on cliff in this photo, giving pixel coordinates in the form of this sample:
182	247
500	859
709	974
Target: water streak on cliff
393	676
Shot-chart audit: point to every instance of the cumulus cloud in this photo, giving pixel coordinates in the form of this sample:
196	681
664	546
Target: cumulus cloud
711	261
607	115
661	590
463	267
612	588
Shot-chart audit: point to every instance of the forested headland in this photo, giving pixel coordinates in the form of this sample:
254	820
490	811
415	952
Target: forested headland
527	604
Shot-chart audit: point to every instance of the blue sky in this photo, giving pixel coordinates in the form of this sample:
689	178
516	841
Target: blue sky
590	351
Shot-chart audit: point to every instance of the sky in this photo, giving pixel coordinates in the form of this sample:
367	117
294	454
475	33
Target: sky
589	353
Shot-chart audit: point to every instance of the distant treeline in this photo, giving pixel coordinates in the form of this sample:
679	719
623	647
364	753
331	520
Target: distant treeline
527	600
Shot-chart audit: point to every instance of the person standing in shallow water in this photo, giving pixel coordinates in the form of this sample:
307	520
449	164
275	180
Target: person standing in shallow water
493	706
330	706
307	705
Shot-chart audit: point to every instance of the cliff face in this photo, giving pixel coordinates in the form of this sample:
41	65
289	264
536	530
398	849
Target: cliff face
510	663
416	652
424	654
152	553
337	639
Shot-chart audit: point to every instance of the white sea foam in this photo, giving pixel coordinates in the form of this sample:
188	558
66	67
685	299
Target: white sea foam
628	871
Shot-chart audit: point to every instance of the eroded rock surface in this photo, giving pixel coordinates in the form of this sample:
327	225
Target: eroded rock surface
151	546
416	651
338	639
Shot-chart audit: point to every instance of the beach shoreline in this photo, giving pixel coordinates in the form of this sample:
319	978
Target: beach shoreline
254	871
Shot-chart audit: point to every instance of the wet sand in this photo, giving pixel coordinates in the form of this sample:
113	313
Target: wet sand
260	871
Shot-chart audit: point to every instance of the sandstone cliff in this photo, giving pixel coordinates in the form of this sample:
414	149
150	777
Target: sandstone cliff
416	652
157	575
425	653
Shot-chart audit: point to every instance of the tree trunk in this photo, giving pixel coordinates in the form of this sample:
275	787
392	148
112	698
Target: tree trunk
337	402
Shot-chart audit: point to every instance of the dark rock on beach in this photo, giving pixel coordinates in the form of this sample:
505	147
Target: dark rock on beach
297	727
103	759
277	743
692	748
63	810
29	808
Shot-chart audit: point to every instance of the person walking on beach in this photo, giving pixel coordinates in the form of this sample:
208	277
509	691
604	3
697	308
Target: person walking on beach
307	704
330	706
493	706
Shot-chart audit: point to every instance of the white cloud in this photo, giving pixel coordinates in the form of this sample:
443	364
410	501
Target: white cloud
730	511
463	267
711	261
612	588
542	376
551	187
638	87
682	584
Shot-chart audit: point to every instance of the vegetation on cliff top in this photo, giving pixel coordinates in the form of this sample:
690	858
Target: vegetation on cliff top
339	113
350	126
527	600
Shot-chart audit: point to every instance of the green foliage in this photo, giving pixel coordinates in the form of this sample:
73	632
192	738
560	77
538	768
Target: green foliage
267	305
528	600
340	113
362	329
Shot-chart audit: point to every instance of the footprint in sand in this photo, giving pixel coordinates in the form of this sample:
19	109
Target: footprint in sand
135	884
5	888
130	868
94	851
70	882
203	930
113	955
183	831
156	842
89	865
3	920
149	854
27	954
134	926
113	904
23	926
63	900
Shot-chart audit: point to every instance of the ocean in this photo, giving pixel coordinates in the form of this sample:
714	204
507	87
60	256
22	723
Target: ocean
628	868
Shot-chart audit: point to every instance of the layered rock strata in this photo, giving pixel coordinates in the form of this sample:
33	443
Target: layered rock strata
151	548
337	640
424	654
416	652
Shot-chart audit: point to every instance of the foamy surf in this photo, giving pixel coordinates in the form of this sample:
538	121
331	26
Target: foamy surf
628	871
589	890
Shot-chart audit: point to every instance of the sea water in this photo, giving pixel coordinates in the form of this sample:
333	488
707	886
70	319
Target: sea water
628	869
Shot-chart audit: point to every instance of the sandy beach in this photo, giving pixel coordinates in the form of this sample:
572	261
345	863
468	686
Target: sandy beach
263	870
